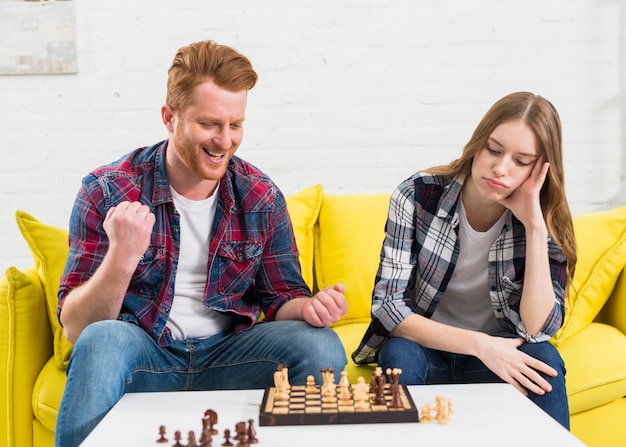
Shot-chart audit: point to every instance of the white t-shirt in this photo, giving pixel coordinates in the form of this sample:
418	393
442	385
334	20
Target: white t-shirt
189	317
466	303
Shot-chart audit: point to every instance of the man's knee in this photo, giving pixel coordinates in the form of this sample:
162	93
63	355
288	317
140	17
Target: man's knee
104	341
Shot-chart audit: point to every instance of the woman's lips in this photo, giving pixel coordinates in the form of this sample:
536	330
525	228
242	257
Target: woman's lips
495	184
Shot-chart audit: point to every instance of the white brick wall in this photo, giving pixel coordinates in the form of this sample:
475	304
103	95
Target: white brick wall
354	94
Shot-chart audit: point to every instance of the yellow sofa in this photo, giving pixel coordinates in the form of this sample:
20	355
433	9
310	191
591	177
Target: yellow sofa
339	238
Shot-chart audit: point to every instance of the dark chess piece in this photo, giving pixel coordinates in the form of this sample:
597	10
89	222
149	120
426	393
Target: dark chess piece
240	428
206	439
162	437
251	439
379	397
227	442
240	431
396	399
209	420
177	437
191	440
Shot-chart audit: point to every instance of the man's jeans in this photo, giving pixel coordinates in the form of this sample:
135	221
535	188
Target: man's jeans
422	366
111	358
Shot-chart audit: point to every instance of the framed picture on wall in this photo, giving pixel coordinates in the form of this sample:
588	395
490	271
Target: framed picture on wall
37	37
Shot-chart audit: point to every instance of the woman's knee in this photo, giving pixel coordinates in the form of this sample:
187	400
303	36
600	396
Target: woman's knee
406	355
546	353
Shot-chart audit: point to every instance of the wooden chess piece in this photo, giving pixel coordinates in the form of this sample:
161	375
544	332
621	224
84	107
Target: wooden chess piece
240	431
162	437
206	439
191	439
177	437
310	385
396	399
379	396
442	415
209	421
281	383
427	416
240	428
361	394
227	442
251	439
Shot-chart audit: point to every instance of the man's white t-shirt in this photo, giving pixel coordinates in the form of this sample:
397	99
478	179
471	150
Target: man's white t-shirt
189	317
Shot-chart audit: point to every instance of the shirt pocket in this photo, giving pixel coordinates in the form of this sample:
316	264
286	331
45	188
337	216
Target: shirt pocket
238	263
149	276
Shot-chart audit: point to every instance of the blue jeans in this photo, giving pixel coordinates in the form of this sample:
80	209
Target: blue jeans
422	366
111	358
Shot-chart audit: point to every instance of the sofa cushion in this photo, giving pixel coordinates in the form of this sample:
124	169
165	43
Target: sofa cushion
48	245
614	311
47	394
348	240
304	208
350	336
595	360
25	346
601	248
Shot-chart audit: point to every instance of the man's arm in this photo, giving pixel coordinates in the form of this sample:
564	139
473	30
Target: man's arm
324	308
128	227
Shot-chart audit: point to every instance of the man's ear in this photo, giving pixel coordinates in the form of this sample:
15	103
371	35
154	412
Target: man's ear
167	115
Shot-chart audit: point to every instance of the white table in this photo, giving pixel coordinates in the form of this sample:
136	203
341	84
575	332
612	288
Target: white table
485	415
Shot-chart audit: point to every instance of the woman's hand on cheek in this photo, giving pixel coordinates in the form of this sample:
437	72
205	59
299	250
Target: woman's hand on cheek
524	202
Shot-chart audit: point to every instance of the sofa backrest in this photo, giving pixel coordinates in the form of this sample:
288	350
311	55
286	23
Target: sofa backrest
348	239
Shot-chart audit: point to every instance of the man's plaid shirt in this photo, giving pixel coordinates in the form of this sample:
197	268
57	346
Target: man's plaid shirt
253	264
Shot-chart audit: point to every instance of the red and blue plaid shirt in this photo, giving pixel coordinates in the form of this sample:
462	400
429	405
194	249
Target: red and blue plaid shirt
253	264
419	255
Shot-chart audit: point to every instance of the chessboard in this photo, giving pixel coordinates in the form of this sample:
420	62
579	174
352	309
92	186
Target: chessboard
305	406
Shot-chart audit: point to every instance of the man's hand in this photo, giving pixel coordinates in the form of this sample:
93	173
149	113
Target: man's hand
129	226
326	307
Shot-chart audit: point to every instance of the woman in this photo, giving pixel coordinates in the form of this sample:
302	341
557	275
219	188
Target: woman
476	260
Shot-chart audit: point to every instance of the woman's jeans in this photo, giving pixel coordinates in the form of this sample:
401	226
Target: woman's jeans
111	358
422	366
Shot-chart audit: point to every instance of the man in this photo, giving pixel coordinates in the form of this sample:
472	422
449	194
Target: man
175	252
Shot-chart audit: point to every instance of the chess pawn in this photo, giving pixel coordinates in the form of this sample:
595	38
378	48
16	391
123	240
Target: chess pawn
162	437
177	438
310	385
191	439
227	442
427	416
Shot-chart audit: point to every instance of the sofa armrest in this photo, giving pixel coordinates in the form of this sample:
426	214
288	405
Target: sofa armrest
614	311
25	345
